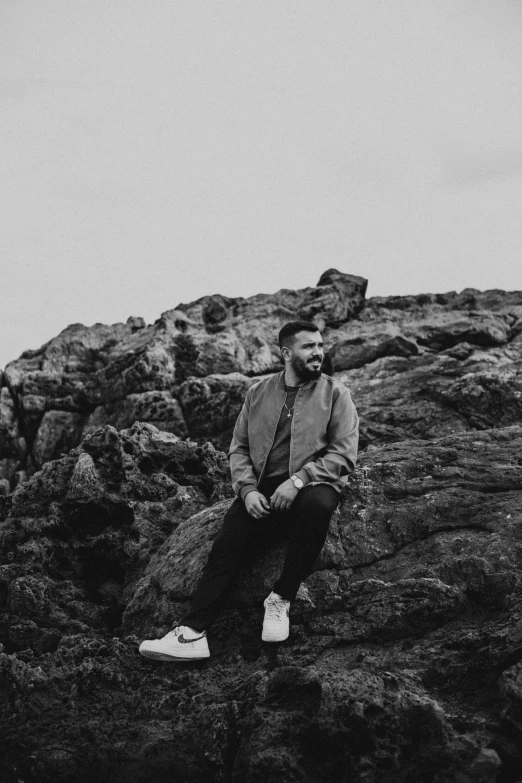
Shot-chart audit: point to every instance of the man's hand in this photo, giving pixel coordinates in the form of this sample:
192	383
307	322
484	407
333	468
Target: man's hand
257	505
284	496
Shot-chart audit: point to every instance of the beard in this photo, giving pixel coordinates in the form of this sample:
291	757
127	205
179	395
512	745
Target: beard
304	370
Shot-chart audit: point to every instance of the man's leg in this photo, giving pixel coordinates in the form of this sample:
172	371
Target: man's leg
236	542
311	513
239	537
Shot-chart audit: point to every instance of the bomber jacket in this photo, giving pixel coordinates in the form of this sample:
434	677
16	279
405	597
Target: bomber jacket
324	433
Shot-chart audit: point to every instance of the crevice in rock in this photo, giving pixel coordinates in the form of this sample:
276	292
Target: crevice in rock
25	431
104	576
401	493
474	419
511	659
88	519
434	534
492	488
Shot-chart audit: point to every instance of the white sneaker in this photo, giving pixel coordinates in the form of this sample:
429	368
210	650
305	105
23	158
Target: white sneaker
276	625
181	644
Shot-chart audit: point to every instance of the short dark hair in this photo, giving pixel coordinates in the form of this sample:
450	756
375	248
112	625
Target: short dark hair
289	330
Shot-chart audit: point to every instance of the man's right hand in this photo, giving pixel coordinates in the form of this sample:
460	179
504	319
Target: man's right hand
257	505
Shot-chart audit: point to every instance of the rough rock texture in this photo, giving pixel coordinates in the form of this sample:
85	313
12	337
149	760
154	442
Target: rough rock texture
414	364
404	663
433	364
404	659
91	376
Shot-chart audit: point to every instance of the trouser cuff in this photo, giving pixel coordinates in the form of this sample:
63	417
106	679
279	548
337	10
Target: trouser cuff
286	589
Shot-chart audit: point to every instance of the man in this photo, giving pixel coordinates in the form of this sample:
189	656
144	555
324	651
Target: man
294	444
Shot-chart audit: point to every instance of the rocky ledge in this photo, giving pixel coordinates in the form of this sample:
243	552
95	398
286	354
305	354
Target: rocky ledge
404	661
164	374
417	366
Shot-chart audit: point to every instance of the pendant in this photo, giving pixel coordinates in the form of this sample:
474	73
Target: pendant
288	415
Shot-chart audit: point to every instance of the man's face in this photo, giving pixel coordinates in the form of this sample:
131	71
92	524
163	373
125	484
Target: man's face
306	355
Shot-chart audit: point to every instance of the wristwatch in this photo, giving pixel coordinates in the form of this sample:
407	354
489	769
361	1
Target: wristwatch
298	483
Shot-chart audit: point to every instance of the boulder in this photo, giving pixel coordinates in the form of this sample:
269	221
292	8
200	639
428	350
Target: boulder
58	432
431	394
478	328
159	408
13	447
402	662
212	405
358	351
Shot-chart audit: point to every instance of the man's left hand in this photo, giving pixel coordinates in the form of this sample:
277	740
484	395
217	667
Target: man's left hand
284	496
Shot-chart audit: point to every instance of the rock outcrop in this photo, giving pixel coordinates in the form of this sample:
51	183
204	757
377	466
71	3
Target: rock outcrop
415	364
404	660
91	376
404	663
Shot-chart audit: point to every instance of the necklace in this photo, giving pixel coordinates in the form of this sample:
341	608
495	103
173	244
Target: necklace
289	414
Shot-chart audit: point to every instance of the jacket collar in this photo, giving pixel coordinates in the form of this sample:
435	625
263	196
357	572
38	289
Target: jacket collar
281	381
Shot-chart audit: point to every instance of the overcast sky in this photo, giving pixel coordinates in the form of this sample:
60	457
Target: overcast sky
157	151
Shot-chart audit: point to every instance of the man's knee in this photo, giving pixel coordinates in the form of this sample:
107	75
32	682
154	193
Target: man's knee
319	500
234	533
235	516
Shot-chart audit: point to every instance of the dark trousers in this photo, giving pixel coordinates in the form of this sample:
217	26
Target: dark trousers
241	537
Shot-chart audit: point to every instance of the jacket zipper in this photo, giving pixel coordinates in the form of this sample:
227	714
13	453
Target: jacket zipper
292	435
273	439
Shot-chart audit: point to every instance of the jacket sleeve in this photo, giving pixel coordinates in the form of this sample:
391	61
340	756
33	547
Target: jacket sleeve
341	451
241	469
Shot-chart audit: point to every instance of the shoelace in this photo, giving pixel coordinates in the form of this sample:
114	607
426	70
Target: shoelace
275	610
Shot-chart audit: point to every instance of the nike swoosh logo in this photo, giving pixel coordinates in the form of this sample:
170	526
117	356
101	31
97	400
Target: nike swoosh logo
182	640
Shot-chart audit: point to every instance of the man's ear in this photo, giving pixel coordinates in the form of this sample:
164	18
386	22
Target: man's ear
287	355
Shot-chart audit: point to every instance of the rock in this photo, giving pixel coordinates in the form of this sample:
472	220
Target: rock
410	621
484	329
101	502
59	431
85	483
13	447
188	372
369	718
89	377
486	766
212	405
159	408
487	398
9	431
511	690
428	395
135	323
358	351
403	662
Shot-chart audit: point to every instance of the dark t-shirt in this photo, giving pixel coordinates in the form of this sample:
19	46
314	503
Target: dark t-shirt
278	460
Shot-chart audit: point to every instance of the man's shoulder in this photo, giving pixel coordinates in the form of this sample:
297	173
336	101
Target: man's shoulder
265	382
336	386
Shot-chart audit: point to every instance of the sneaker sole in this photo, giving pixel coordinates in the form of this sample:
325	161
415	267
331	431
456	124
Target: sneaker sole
267	637
165	657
